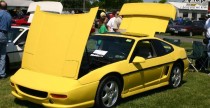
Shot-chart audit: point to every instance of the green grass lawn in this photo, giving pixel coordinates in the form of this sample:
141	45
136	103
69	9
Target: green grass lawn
194	93
194	36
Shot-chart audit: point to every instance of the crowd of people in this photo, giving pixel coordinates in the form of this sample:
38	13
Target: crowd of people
109	24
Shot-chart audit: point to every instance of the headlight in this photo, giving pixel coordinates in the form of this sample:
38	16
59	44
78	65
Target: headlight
184	30
172	29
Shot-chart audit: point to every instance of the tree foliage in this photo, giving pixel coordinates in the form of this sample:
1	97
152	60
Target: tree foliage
162	1
104	4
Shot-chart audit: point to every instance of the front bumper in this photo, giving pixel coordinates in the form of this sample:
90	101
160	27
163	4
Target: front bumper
38	88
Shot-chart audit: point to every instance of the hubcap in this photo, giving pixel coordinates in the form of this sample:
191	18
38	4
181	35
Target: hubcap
177	76
110	94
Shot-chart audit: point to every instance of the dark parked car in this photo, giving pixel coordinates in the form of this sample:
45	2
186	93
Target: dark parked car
189	28
170	24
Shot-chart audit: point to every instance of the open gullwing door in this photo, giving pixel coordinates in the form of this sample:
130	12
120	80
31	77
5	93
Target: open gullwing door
146	18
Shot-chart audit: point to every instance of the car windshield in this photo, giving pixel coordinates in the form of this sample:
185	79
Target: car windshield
186	23
13	33
103	50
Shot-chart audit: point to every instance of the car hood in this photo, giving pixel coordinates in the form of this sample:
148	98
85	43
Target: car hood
146	18
45	82
55	42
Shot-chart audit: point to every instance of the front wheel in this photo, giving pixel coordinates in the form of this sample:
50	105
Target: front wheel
176	76
108	93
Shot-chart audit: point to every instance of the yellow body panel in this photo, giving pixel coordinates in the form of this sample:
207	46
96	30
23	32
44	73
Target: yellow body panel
146	18
54	85
51	42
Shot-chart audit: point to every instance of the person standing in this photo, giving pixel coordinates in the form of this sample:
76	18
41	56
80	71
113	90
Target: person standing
114	23
102	28
117	22
5	25
207	34
110	24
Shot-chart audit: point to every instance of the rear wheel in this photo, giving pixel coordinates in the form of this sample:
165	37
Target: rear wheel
176	76
108	93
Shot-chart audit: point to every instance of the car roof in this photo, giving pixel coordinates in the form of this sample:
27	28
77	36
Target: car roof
118	34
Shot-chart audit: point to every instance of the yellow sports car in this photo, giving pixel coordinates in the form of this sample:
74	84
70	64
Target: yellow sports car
63	66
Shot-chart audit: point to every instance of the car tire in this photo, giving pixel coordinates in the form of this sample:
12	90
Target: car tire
176	76
190	33
108	93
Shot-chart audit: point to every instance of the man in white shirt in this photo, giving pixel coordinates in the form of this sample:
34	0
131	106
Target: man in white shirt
110	23
117	22
114	23
207	35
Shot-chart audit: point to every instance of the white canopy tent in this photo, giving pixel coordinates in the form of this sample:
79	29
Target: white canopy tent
18	3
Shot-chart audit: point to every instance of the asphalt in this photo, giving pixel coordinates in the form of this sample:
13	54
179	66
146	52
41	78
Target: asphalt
183	39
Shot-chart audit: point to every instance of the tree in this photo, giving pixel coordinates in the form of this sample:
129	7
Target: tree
110	4
134	1
104	4
162	1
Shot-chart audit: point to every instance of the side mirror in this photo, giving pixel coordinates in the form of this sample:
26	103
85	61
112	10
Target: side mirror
138	59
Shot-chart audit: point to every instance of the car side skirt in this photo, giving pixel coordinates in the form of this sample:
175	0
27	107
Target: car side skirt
143	89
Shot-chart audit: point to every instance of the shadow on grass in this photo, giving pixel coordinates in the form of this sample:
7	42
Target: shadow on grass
27	104
148	93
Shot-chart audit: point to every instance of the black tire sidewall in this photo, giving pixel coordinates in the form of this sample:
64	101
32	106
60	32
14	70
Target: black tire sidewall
98	101
170	80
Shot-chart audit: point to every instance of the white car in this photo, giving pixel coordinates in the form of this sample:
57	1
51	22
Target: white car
16	41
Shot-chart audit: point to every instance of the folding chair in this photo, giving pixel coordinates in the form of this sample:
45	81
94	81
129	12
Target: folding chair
173	41
198	56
